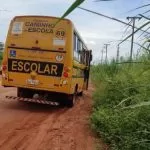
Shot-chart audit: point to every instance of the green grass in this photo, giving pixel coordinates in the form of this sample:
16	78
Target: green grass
121	110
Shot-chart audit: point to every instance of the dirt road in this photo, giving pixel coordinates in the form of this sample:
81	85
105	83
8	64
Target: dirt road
38	127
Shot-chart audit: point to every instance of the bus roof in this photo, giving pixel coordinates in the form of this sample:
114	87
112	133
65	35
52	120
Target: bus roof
40	17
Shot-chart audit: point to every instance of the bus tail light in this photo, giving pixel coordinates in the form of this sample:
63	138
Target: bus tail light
67	69
4	67
66	72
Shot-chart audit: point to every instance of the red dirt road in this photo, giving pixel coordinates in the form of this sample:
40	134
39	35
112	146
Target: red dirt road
25	126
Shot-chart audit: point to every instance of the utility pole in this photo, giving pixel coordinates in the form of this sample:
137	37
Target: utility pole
132	40
102	55
118	50
106	46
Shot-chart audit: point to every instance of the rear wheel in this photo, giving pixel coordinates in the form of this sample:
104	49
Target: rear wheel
25	93
80	93
71	100
19	92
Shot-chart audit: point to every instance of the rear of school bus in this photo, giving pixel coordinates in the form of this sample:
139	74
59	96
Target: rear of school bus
38	57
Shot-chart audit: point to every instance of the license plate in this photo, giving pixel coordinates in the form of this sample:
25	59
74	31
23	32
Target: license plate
32	82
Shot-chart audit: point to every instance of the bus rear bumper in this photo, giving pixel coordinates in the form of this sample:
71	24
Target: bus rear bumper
65	89
39	101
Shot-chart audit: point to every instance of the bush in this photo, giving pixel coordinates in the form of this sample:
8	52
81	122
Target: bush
121	111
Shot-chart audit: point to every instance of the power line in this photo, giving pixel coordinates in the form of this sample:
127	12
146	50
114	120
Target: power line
144	16
139	7
131	29
144	38
135	32
129	41
125	31
115	19
146	12
142	33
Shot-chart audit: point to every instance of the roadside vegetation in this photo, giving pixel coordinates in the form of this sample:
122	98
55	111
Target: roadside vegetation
121	111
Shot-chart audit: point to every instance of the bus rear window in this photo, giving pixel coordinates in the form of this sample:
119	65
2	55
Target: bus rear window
17	28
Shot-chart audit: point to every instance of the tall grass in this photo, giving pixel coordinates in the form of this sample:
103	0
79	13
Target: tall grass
121	111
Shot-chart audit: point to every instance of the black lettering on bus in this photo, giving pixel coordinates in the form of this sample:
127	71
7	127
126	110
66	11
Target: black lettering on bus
52	25
47	31
51	31
32	24
41	68
38	30
30	29
44	24
36	25
43	30
34	29
27	24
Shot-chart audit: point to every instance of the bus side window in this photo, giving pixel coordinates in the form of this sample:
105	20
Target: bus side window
75	47
84	55
74	42
79	50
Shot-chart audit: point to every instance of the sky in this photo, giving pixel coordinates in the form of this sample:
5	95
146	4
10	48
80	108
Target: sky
95	30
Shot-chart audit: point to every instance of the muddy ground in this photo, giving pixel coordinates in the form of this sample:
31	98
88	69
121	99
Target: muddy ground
28	126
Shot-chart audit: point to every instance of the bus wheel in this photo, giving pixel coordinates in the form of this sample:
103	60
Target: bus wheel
71	100
80	93
25	93
19	92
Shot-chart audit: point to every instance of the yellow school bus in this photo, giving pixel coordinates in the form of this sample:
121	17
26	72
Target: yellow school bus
45	60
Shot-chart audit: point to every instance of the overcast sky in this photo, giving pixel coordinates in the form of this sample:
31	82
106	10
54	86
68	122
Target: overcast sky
94	29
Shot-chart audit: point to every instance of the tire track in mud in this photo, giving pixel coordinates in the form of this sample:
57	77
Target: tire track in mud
29	130
38	127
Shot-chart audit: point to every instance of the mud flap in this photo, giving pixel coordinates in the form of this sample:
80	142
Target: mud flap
33	100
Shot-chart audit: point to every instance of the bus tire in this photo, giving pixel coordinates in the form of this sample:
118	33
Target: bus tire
19	92
80	93
25	93
71	100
